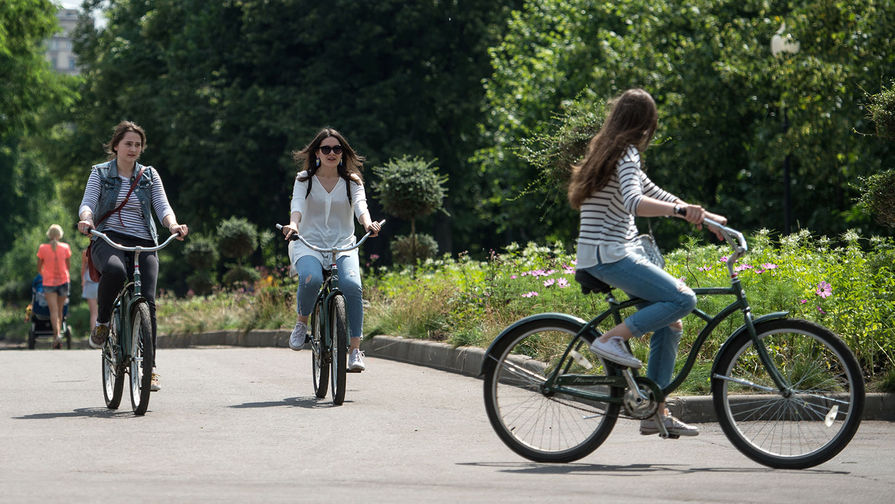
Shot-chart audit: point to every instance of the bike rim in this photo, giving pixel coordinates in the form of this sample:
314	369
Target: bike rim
804	422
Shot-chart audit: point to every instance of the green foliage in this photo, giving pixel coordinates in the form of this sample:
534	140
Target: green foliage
881	110
410	188
238	275
721	95
237	238
408	249
201	282
201	252
848	288
879	197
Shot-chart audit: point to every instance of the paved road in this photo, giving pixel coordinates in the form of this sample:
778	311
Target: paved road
242	425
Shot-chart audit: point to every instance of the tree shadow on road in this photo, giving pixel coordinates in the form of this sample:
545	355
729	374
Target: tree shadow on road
79	413
310	402
631	469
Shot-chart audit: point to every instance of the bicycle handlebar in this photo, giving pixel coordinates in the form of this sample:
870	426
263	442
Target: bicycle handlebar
329	249
133	249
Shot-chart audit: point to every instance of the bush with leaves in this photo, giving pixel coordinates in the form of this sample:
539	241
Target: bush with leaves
878	197
238	239
410	188
408	249
201	254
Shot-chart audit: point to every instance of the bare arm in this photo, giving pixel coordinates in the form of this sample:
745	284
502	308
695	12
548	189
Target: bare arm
170	222
292	228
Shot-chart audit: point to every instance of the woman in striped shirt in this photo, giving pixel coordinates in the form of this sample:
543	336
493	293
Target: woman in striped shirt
610	188
108	186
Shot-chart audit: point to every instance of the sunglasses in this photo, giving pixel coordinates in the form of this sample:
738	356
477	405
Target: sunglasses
326	149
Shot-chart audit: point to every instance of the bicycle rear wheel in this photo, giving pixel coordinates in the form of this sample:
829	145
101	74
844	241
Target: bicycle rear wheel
113	373
339	364
319	354
141	360
803	426
547	426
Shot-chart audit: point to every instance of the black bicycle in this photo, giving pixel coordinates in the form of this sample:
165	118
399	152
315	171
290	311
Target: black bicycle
328	325
128	349
788	393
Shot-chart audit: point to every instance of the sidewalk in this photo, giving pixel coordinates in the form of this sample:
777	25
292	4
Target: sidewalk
463	360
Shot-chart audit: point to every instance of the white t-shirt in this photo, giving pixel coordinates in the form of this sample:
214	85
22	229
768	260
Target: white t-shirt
326	217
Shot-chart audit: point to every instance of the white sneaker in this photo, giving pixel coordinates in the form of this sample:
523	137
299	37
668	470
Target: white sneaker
674	426
356	361
297	338
615	350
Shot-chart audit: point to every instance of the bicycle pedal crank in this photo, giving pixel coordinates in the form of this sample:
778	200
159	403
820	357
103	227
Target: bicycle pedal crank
639	400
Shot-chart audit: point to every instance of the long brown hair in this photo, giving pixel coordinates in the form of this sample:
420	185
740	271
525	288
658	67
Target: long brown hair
632	120
351	164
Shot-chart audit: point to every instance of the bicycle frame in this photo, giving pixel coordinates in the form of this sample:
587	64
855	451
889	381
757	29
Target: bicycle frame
558	382
129	296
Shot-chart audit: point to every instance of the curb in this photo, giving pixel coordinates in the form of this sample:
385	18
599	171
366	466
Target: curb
462	360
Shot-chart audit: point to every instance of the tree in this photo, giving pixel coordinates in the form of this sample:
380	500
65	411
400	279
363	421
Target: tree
411	188
226	90
878	196
720	93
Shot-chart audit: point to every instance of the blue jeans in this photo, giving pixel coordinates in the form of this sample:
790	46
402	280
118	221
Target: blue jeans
666	298
310	277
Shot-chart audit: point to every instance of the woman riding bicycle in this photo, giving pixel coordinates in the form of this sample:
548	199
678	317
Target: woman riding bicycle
326	191
123	193
610	188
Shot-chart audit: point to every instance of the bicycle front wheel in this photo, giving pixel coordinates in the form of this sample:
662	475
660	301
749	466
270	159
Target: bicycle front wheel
141	360
319	354
805	425
544	425
339	364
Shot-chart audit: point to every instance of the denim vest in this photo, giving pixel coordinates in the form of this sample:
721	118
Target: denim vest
110	186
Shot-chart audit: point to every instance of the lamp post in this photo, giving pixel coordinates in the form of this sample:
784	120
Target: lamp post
783	43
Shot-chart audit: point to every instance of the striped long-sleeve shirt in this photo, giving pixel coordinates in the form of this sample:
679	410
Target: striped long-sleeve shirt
607	216
130	221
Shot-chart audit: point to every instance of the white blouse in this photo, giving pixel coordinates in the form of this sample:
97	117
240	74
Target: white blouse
326	218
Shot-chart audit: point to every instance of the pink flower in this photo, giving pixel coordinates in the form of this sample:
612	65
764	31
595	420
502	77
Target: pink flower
742	267
562	283
373	257
530	294
769	266
723	259
821	310
704	268
824	290
549	282
803	301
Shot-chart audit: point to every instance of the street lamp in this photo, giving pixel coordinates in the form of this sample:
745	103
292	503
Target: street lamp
780	44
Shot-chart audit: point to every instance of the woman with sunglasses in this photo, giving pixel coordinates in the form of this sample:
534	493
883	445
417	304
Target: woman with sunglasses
327	191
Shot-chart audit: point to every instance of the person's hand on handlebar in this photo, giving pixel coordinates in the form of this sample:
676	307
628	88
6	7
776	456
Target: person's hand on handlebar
373	228
180	229
85	225
696	214
289	230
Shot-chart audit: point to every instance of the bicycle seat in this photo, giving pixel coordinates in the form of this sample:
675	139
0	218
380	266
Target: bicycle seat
590	283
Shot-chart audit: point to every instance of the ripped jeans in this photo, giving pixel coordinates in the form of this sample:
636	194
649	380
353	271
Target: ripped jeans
310	277
667	300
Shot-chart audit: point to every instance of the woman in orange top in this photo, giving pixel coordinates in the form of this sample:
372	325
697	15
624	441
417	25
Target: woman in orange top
53	260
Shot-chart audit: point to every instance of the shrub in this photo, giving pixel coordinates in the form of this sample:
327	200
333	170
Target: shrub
201	282
408	249
237	238
240	274
201	252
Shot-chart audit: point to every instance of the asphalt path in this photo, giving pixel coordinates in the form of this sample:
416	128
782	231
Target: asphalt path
242	425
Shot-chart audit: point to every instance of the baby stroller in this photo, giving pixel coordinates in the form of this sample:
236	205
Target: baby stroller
40	316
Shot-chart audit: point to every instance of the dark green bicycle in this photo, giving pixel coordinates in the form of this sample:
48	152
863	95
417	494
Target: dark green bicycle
788	393
128	349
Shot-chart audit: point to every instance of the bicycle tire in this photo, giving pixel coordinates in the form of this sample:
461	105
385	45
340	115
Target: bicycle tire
141	359
339	364
550	427
319	354
113	375
800	429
